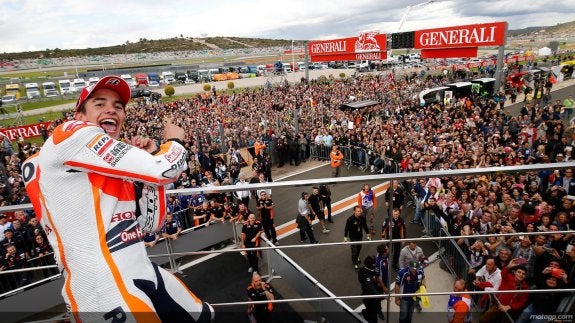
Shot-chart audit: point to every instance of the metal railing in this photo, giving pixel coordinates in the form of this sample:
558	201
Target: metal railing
208	235
352	155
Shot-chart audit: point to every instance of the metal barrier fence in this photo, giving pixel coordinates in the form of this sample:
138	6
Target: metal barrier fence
11	281
352	155
452	257
207	235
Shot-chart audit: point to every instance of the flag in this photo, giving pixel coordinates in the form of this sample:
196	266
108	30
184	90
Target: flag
552	79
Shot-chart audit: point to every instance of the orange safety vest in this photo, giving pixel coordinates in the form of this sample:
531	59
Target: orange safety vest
258	147
336	158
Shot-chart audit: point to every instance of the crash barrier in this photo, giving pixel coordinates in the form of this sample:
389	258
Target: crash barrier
50	292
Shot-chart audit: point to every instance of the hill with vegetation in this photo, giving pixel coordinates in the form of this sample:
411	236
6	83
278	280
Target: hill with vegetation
567	28
144	45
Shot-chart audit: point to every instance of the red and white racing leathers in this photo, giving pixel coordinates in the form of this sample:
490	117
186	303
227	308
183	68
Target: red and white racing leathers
82	188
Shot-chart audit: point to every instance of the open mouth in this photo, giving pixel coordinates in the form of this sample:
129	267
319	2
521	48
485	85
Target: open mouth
109	125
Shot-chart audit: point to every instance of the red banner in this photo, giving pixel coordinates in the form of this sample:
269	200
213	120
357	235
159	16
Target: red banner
368	46
449	52
27	131
490	34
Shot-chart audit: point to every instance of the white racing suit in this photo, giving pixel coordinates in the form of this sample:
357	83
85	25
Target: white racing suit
82	188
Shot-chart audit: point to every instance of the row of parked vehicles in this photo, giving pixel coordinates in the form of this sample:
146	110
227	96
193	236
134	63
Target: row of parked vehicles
482	86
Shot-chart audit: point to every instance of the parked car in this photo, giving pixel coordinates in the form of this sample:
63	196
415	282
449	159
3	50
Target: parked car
141	93
9	99
145	93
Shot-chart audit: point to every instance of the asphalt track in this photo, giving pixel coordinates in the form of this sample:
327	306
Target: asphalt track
226	280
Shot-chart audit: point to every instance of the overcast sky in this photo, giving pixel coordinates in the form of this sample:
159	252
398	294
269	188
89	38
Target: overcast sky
29	25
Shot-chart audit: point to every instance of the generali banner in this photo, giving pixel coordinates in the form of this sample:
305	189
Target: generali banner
490	34
27	131
367	46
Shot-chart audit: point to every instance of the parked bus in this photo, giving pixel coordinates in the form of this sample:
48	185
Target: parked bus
141	79
153	79
13	89
460	89
49	89
430	96
32	90
66	87
484	86
79	84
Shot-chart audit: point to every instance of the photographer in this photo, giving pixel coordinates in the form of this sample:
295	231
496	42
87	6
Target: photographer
220	170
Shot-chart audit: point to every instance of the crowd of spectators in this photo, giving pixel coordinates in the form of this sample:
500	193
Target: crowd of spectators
460	133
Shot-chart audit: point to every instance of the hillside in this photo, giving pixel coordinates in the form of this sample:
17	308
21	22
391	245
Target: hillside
567	28
153	46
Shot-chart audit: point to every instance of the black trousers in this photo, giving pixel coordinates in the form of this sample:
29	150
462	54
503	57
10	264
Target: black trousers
305	228
355	251
269	229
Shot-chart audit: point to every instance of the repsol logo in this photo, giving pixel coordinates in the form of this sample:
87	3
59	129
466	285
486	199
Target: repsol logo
174	154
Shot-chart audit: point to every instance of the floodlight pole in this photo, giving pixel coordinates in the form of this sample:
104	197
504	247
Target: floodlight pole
293	60
499	68
404	18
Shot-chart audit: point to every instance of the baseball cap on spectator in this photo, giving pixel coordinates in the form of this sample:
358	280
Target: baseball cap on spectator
111	82
413	265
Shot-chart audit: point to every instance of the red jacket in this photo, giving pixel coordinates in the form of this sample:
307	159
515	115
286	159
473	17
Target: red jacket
517	301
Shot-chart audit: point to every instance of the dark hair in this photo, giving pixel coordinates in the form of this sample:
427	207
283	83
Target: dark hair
303	194
381	248
369	262
522	267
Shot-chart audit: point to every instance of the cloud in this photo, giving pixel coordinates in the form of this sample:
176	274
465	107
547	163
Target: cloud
37	25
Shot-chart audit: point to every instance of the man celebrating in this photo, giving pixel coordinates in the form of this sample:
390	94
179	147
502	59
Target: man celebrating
82	189
260	291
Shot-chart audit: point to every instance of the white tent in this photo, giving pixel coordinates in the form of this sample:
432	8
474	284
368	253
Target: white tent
545	51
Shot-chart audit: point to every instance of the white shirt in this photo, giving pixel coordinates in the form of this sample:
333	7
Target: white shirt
242	194
494	278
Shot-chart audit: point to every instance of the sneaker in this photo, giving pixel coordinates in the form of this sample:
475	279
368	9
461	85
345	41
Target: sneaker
356	267
250	270
418	307
325	231
277	243
315	242
304	239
